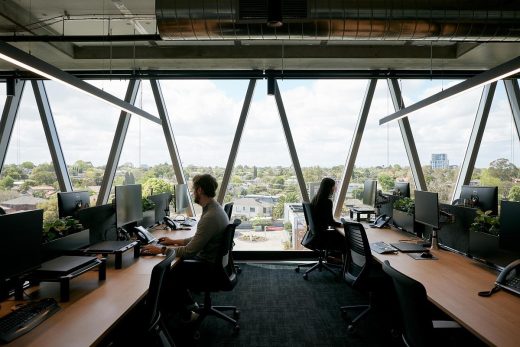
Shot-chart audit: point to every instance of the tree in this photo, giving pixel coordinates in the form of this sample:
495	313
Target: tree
387	182
27	165
514	193
157	186
289	197
26	185
7	182
503	169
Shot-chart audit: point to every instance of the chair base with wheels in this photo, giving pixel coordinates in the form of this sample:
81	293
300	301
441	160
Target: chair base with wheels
320	265
352	323
207	309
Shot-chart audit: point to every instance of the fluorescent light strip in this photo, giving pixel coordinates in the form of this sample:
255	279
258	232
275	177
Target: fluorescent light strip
26	61
501	71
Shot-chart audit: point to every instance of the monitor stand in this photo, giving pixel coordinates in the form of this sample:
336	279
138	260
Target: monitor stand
435	243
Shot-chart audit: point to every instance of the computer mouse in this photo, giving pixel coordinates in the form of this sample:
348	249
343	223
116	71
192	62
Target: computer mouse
426	255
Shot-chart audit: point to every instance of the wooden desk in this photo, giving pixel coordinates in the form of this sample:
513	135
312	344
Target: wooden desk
94	307
452	283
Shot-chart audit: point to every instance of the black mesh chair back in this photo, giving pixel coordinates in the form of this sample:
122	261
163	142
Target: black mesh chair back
228	208
413	301
359	256
310	239
229	270
151	312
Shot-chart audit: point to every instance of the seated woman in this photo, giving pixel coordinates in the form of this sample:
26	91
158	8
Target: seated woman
323	217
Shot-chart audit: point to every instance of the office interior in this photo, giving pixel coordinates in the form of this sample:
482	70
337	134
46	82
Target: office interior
141	58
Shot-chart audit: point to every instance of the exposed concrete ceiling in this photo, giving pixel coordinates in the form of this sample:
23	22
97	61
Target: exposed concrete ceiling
186	40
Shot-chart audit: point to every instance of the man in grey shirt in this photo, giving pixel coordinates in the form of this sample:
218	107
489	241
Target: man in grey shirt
200	253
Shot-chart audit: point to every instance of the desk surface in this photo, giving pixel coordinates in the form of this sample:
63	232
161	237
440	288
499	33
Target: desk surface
452	283
94	307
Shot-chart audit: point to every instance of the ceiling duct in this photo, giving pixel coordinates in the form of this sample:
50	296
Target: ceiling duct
456	21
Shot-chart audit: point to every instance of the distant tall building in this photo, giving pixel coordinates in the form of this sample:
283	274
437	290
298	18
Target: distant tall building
440	161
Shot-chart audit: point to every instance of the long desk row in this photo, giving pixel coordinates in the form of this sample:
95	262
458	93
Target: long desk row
452	283
94	307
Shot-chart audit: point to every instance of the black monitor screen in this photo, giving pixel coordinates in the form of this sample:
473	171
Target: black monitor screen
486	198
182	197
427	208
162	205
509	227
101	222
402	189
128	204
69	203
20	249
369	192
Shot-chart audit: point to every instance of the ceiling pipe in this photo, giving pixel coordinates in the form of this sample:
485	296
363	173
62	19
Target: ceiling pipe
475	21
80	38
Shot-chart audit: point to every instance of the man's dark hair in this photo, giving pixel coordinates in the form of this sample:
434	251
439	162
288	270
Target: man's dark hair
207	183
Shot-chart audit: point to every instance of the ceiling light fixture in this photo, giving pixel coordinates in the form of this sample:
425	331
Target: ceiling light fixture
26	61
497	73
274	13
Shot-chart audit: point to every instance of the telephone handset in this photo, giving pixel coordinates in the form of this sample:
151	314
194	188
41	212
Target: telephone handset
508	279
144	235
171	223
381	221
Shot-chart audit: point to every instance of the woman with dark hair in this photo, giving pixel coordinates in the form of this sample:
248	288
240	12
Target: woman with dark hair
322	205
323	216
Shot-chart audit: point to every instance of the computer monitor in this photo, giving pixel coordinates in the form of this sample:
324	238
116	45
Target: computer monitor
427	208
369	192
486	198
101	222
402	189
162	205
21	236
128	204
182	197
69	203
509	230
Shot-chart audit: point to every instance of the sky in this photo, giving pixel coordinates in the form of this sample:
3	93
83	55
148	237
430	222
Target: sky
322	115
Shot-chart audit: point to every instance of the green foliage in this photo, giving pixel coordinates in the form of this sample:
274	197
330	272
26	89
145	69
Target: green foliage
514	193
405	205
261	221
55	228
50	208
6	183
484	222
386	181
157	186
24	187
147	204
357	193
287	226
289	197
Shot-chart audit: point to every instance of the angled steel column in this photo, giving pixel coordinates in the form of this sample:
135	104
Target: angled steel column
513	95
407	135
12	103
466	170
170	139
290	143
51	134
354	147
117	144
236	141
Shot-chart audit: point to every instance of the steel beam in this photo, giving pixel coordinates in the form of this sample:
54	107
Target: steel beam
475	139
117	144
407	135
513	95
290	143
354	147
236	141
51	134
499	72
170	139
12	103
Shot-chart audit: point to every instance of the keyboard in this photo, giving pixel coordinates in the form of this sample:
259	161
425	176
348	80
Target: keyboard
25	318
382	248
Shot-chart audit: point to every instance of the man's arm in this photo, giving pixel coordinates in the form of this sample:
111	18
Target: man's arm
198	241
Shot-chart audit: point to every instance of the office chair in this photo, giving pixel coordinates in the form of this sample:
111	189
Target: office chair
315	240
224	279
419	329
151	316
228	208
357	268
